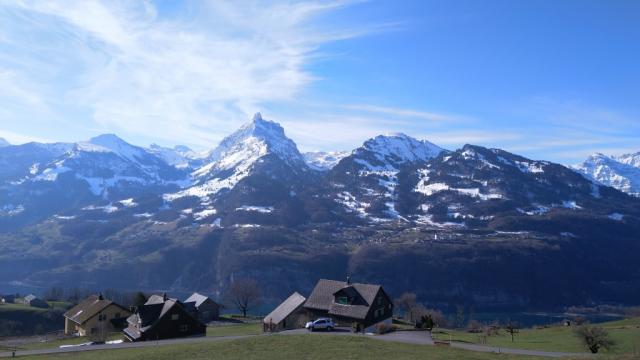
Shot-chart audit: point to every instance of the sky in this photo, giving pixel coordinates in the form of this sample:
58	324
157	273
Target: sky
553	80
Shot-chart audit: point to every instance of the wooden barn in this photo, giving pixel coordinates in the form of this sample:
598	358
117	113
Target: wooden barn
206	309
289	315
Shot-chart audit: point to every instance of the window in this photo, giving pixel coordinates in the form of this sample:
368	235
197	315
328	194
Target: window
342	300
117	316
379	312
175	316
183	328
102	317
379	300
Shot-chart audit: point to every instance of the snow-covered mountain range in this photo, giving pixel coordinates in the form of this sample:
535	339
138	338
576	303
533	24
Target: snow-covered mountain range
390	177
255	206
621	172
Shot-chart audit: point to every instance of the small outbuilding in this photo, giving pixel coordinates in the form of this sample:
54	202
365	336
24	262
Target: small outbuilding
206	309
34	301
288	315
8	299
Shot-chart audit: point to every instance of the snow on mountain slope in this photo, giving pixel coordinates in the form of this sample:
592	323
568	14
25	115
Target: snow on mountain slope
237	154
4	142
105	162
179	156
322	160
622	172
388	152
630	159
370	174
19	161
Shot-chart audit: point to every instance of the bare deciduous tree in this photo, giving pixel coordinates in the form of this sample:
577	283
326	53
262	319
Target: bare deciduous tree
594	338
459	316
512	328
407	303
243	294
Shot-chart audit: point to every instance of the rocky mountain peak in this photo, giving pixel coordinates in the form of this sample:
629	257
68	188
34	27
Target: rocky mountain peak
393	150
257	138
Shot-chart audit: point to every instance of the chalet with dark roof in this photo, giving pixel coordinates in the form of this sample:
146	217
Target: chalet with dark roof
361	306
207	309
95	316
163	318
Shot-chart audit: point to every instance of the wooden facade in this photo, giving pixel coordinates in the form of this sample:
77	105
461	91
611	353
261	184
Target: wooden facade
160	321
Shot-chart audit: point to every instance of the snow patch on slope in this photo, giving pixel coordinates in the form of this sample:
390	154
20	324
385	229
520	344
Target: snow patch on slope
324	161
622	172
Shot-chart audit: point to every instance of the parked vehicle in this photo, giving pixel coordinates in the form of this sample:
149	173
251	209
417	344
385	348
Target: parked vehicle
320	324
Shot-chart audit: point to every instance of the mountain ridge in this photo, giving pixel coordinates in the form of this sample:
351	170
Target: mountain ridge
253	207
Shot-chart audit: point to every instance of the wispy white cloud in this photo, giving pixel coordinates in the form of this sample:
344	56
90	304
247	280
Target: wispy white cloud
411	113
182	78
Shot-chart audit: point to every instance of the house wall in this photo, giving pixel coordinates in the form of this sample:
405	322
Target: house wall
208	311
296	320
94	327
167	328
381	310
385	312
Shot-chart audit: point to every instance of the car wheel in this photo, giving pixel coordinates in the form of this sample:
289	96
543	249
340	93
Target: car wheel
329	328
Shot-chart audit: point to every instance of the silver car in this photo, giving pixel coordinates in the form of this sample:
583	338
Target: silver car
320	324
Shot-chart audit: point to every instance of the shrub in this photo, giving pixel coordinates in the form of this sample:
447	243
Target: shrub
474	326
594	338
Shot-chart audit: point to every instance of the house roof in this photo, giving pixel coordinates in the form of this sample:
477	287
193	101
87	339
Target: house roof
197	298
88	308
30	297
158	299
148	315
285	309
322	298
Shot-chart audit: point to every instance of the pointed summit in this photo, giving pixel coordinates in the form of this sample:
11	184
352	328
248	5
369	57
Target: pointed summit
256	117
243	154
258	137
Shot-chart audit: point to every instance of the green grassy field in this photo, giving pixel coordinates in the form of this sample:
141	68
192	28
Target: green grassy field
235	329
24	320
626	334
278	347
221	330
20	308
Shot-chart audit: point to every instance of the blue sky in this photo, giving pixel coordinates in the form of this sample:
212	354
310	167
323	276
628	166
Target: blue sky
553	80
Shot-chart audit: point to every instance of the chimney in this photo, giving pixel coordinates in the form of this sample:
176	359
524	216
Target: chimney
164	296
100	297
348	279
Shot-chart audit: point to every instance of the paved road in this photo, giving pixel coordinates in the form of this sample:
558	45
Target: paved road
499	350
125	345
407	337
